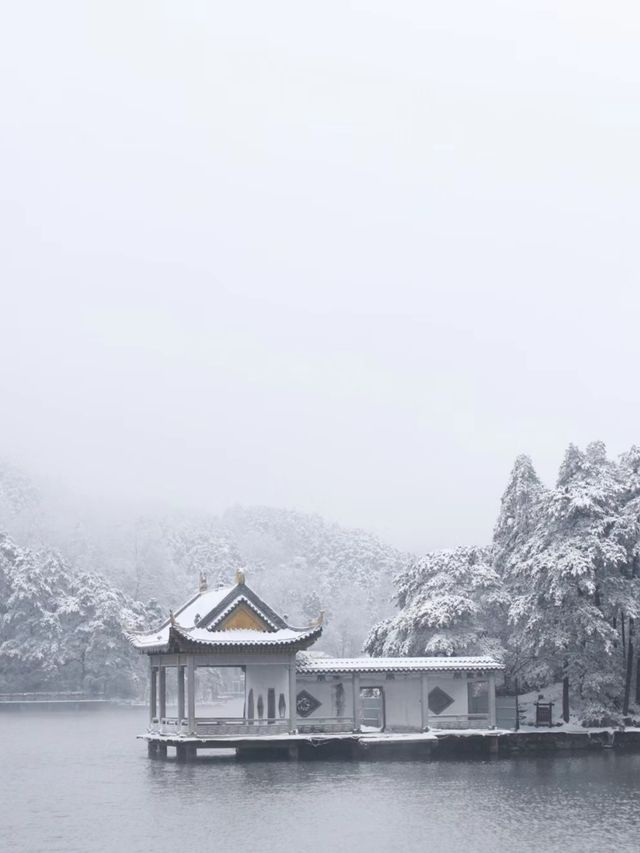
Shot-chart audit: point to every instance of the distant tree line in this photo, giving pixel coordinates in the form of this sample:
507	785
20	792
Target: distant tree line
556	595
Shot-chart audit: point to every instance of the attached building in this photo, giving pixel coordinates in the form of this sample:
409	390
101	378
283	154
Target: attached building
283	689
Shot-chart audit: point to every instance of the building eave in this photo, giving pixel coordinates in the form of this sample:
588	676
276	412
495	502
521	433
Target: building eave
326	666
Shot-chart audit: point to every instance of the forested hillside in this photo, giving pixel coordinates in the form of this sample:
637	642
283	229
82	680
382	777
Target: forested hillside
64	555
557	594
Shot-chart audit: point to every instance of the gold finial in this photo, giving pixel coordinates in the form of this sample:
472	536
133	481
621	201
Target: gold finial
172	618
240	577
203	582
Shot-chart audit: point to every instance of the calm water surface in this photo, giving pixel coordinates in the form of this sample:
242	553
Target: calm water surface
81	782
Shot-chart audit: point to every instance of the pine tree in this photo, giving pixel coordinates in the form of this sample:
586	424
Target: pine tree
520	510
623	588
558	611
446	599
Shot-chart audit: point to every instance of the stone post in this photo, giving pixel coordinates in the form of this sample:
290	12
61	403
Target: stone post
356	701
292	697
191	694
180	673
163	692
492	700
153	694
424	700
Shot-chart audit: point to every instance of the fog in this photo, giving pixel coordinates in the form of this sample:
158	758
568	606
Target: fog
343	257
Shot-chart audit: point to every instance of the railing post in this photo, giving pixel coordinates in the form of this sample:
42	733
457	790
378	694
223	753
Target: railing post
424	700
191	694
356	701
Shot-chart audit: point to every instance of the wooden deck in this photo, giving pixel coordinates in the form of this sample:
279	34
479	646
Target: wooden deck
310	745
437	743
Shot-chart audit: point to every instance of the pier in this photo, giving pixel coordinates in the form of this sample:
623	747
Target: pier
438	744
288	700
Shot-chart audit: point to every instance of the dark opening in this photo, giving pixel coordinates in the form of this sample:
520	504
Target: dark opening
271	705
250	710
478	692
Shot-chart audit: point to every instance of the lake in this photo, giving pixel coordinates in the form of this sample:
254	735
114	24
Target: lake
82	783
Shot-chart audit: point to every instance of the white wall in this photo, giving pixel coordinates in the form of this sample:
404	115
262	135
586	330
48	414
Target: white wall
402	696
261	677
401	700
326	692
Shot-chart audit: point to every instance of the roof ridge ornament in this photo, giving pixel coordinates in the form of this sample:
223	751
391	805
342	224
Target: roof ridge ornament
319	620
172	618
240	578
203	582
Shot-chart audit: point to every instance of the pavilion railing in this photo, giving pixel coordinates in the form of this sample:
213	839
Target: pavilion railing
309	725
214	726
218	726
458	721
328	725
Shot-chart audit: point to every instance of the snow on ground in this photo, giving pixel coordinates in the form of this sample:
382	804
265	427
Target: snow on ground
552	693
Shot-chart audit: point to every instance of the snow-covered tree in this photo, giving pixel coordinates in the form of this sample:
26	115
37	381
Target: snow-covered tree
520	509
561	621
200	544
297	560
621	590
447	599
61	630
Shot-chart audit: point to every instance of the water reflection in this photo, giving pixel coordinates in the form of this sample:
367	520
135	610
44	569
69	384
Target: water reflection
81	782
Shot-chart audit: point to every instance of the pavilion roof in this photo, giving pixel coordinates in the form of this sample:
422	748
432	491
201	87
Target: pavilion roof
206	620
285	637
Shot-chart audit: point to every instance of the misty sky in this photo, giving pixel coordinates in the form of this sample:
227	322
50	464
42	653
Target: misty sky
345	257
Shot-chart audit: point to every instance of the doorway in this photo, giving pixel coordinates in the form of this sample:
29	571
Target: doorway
372	715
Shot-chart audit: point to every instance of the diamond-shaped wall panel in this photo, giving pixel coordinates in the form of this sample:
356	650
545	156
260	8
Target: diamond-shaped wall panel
439	701
306	703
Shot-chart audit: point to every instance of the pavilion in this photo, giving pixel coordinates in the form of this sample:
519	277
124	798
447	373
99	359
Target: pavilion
289	693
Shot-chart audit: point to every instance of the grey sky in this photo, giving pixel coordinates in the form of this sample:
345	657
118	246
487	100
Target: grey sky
345	257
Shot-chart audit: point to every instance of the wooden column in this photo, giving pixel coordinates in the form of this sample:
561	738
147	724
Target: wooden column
356	701
492	700
153	694
424	700
162	684
191	694
180	672
293	723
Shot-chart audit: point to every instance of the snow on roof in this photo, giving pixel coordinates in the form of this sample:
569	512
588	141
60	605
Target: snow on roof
240	637
328	665
200	605
194	621
152	640
246	636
